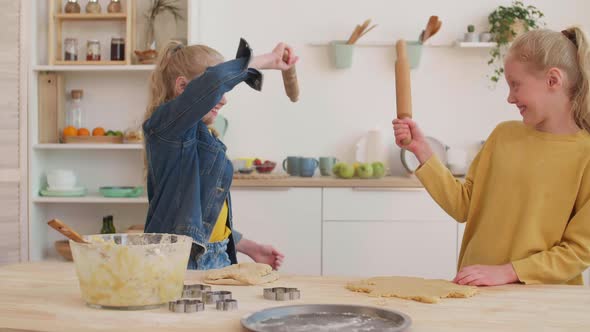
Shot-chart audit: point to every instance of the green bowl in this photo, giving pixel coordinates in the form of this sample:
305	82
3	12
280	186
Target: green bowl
121	191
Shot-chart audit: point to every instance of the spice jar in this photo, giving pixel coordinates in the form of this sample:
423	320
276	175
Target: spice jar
93	50
117	49
71	49
72	7
114	6
93	7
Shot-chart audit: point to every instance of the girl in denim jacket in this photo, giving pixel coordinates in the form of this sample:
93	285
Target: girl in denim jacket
188	172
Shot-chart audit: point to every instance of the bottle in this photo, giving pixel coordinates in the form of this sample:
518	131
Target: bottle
74	113
93	7
72	7
71	49
107	225
93	50
117	49
114	6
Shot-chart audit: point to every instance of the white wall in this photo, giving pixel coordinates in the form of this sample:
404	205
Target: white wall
451	93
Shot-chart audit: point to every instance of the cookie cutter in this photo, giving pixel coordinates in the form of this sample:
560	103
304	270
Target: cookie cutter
282	294
186	305
194	291
227	305
214	297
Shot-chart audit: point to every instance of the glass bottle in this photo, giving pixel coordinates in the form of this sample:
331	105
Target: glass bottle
71	49
117	49
72	7
114	6
107	225
74	113
93	7
93	50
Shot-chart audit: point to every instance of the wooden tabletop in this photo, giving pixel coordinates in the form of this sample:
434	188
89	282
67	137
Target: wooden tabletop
45	297
330	182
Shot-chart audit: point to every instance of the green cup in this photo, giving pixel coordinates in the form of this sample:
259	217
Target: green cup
326	165
342	54
414	51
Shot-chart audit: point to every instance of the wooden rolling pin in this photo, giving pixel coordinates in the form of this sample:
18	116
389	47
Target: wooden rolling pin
403	90
290	80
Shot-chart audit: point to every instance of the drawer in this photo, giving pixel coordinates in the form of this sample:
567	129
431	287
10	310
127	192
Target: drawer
380	205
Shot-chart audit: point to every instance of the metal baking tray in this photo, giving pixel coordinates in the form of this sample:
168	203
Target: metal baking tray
326	317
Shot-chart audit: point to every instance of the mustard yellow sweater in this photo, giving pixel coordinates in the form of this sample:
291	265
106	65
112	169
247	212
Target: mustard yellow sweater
525	200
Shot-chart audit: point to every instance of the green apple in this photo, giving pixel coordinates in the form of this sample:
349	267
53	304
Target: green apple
365	171
378	169
336	169
346	171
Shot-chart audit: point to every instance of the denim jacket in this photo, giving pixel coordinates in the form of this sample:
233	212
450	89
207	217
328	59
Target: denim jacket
189	175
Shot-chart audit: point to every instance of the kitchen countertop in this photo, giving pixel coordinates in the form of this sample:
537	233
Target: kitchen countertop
45	297
393	182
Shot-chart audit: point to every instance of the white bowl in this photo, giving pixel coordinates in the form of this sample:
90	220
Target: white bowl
61	179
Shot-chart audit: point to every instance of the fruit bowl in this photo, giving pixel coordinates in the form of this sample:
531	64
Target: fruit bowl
264	167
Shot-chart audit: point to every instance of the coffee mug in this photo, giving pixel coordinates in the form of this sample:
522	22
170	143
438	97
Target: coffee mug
326	165
292	165
308	166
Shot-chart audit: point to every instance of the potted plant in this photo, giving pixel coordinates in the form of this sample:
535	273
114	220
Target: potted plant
505	24
156	8
471	36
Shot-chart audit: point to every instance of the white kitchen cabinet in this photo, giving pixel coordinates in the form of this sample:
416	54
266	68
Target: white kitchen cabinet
369	232
288	218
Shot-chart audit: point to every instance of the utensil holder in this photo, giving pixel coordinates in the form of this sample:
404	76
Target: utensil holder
414	50
342	53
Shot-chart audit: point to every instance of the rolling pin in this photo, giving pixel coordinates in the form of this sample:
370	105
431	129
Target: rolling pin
290	80
403	91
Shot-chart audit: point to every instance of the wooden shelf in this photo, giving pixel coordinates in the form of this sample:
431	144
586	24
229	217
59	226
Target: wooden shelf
377	43
91	17
475	45
90	63
93	67
93	198
130	146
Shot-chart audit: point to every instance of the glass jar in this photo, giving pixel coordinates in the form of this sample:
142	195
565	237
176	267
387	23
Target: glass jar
71	49
74	113
72	7
117	49
93	7
93	50
114	6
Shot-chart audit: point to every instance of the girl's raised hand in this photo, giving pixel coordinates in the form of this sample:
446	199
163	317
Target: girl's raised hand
274	59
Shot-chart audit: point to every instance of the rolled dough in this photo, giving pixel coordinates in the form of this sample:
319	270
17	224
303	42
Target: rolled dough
412	288
242	274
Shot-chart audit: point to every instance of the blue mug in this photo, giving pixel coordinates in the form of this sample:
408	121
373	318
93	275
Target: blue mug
308	166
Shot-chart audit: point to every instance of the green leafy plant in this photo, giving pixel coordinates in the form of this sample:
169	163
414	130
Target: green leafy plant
156	8
470	28
503	22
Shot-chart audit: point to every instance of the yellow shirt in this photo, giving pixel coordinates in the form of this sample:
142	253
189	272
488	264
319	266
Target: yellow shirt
220	230
525	200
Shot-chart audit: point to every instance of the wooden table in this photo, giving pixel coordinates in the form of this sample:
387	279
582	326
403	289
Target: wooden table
45	297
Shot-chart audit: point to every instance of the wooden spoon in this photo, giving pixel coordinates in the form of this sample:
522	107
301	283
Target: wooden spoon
353	37
369	29
59	226
430	26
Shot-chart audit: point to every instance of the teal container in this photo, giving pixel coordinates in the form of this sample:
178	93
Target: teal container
414	49
342	53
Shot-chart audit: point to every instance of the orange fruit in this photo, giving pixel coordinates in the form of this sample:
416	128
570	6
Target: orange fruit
98	131
83	132
70	131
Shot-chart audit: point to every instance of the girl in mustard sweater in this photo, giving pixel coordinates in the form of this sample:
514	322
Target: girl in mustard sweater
526	197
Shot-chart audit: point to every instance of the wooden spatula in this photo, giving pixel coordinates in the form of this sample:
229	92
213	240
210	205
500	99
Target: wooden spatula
59	226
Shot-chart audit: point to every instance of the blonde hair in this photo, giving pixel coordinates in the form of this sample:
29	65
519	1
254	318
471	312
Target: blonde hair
176	60
566	50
